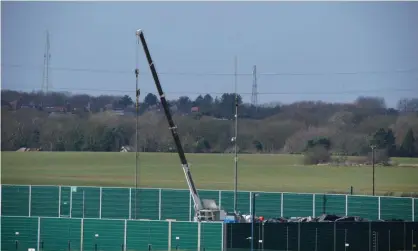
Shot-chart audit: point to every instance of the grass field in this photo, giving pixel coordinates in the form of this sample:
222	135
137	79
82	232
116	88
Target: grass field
210	171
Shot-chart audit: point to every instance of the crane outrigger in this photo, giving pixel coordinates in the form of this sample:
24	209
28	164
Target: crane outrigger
205	209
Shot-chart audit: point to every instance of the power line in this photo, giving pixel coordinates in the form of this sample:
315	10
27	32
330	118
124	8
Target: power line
380	90
371	72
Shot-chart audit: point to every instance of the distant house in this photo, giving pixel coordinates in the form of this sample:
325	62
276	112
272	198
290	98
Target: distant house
127	149
118	111
195	109
55	109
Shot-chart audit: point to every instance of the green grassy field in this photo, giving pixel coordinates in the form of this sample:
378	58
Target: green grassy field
260	172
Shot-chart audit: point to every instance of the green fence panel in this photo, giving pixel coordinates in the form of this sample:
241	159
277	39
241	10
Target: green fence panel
363	206
211	236
243	201
60	234
15	200
268	205
283	236
85	202
316	236
388	235
355	234
108	235
329	204
297	205
65	206
205	194
395	208
141	234
19	233
115	203
146	201
175	204
411	236
45	201
184	236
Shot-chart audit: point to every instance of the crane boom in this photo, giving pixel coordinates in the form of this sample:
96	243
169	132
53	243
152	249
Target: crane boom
173	128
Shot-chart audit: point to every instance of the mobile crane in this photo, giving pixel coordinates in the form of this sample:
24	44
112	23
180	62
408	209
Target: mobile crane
205	209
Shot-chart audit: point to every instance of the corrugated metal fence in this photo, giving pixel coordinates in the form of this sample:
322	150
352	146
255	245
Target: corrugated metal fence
161	204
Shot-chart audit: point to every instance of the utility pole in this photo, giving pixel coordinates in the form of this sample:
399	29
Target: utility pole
373	147
254	94
235	138
47	59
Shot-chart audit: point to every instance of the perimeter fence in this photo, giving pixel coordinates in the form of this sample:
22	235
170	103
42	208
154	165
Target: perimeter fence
65	234
162	204
323	236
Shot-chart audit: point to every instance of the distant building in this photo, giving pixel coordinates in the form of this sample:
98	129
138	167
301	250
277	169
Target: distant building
195	109
127	149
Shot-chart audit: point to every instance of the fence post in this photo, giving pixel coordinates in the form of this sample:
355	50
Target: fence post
190	206
220	198
335	236
71	201
404	235
159	204
287	238
299	236
169	235
370	236
413	209
199	225
346	205
39	234
130	203
30	200
345	239
59	201
251	203
313	205
124	235
378	199
281	205
82	235
389	241
223	233
100	203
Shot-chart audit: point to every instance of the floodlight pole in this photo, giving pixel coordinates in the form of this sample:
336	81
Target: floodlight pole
137	92
235	139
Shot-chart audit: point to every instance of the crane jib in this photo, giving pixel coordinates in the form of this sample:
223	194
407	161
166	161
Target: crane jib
172	126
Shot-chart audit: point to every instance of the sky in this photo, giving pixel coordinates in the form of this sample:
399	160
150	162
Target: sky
329	51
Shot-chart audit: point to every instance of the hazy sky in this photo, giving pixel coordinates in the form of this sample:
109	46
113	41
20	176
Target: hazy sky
372	40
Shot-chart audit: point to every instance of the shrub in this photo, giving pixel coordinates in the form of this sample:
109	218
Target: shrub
316	155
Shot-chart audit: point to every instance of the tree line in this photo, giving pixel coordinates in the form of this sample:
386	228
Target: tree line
89	123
